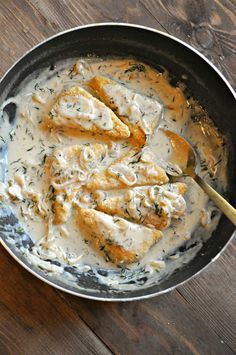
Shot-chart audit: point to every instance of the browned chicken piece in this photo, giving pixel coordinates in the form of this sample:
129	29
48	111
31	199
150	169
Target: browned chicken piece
134	168
149	205
140	113
67	169
77	109
119	241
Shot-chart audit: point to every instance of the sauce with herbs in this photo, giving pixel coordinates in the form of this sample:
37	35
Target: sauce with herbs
30	145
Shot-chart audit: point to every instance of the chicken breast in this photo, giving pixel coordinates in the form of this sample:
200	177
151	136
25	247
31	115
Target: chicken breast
78	109
149	205
140	113
134	168
118	240
67	169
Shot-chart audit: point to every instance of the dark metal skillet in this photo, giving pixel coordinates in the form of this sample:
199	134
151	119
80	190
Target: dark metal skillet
151	46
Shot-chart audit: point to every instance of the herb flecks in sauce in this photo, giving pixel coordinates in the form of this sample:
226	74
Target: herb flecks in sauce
30	146
136	67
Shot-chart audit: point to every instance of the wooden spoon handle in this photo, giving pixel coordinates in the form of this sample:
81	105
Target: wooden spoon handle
219	201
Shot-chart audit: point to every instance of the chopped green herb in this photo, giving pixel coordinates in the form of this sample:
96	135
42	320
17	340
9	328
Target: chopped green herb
135	161
158	209
102	157
115	220
15	161
24	169
51	90
19	230
11	134
218	162
51	115
71	73
21	211
127	211
109	241
37	87
138	67
44	159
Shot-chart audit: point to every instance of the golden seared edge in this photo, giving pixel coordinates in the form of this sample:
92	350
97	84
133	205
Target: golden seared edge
98	83
138	206
57	119
64	170
120	241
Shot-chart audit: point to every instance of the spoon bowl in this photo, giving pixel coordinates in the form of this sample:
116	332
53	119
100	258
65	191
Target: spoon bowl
184	159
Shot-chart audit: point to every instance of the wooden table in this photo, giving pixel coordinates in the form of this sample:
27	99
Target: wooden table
199	317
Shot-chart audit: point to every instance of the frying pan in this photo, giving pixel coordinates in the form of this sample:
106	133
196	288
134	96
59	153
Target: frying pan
204	82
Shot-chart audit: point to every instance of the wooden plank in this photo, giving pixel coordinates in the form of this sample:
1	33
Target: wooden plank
209	26
166	325
213	295
35	320
193	322
35	21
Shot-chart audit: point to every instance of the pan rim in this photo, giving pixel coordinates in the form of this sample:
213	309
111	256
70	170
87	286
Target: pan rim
149	295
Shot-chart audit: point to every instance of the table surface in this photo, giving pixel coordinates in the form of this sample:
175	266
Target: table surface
198	317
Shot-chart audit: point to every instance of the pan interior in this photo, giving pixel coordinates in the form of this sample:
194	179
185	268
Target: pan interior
154	49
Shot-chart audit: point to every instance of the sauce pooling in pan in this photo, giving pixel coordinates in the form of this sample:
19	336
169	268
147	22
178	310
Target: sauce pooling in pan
88	169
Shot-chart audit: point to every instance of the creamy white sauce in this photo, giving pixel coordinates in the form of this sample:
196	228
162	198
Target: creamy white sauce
30	145
131	236
124	174
85	111
140	109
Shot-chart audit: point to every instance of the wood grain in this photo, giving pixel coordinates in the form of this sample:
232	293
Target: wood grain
209	26
49	320
199	317
35	320
165	325
205	308
213	295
